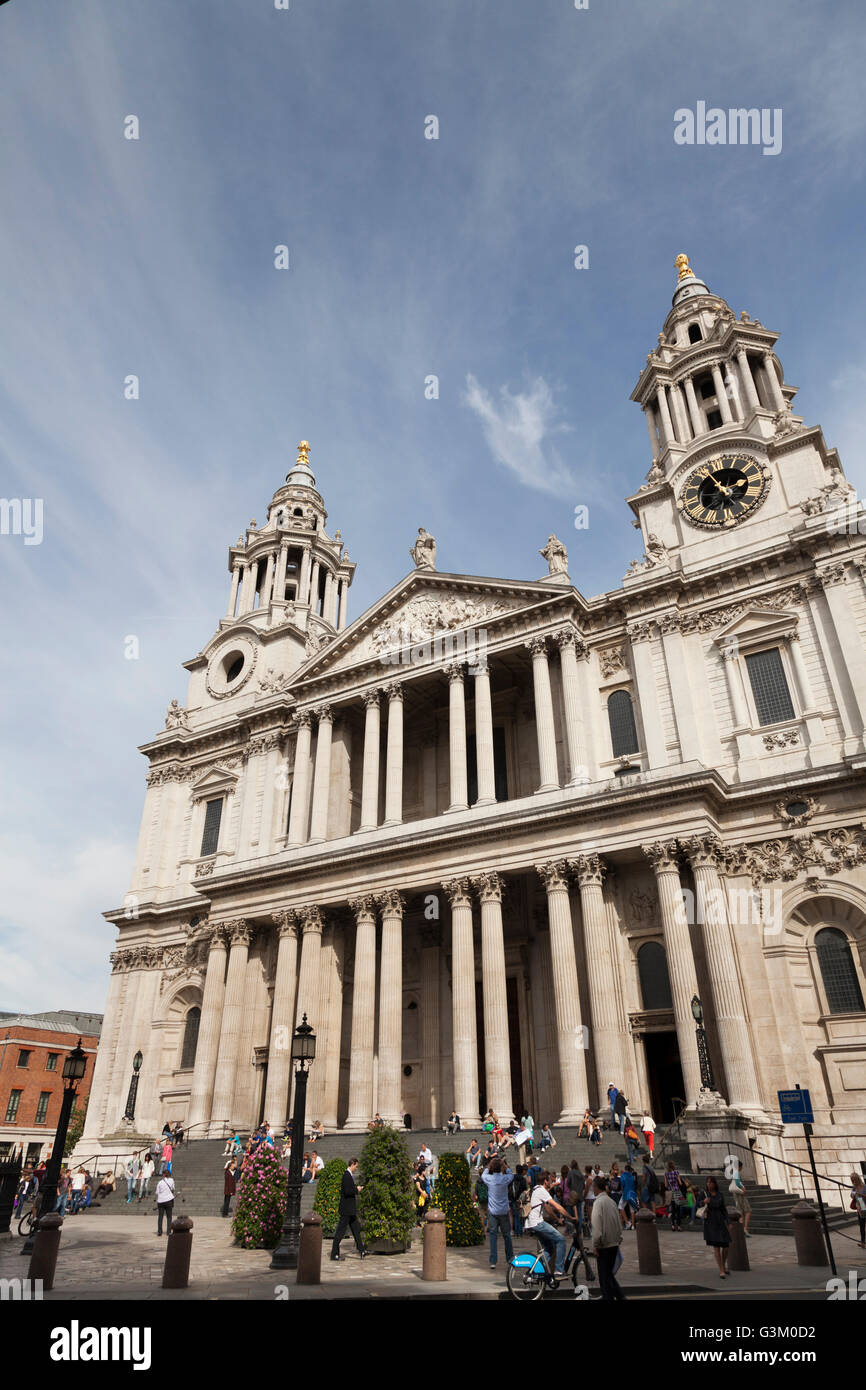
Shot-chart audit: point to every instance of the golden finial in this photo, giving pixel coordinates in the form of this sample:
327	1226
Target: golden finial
682	265
304	453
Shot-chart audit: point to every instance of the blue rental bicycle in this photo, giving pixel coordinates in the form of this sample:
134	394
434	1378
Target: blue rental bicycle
529	1275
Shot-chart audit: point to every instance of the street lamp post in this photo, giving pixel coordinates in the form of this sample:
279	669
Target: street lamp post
708	1081
303	1053
73	1071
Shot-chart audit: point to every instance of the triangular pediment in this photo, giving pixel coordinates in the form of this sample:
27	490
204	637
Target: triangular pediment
215	782
756	624
424	606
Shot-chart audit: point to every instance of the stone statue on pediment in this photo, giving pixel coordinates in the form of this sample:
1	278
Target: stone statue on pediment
423	551
556	556
176	716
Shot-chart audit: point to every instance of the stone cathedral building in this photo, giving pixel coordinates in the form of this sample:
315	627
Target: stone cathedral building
494	838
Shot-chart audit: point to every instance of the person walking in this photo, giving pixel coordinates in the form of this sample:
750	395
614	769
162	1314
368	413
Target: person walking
63	1185
519	1185
619	1108
145	1176
648	1125
674	1194
858	1204
78	1188
632	1142
130	1172
541	1204
348	1213
612	1094
737	1189
230	1184
167	1154
497	1178
649	1184
164	1202
606	1240
628	1200
716	1233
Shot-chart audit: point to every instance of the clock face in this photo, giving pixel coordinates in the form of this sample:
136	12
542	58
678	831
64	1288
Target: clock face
723	491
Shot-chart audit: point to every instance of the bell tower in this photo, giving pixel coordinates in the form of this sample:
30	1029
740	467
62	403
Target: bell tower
730	462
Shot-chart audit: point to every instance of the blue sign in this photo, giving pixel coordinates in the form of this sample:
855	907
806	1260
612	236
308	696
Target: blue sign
796	1107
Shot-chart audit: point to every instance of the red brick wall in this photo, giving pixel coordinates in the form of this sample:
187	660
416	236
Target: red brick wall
33	1079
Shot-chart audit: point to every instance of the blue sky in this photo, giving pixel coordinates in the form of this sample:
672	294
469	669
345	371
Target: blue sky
408	257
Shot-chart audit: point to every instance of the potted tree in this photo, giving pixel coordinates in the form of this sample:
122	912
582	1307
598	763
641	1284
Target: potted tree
452	1194
386	1206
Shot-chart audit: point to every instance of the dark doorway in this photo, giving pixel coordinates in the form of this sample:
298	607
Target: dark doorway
664	1073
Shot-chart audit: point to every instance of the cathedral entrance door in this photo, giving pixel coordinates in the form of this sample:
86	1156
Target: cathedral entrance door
665	1075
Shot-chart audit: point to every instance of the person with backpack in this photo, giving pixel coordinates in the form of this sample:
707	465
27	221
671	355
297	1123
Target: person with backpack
519	1195
619	1109
164	1202
675	1195
651	1186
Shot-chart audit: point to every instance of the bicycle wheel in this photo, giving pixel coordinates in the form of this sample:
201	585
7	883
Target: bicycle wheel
26	1224
524	1282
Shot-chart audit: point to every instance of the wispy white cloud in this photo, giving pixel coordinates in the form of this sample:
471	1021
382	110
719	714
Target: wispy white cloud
520	429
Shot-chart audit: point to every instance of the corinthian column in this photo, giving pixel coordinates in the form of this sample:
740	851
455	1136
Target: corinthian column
721	395
544	725
465	1100
363	1017
747	379
681	965
282	1013
230	1034
578	771
601	971
457	738
571	1038
484	737
394	756
300	782
322	777
370	780
208	1033
698	426
496	1050
391	1009
705	855
309	986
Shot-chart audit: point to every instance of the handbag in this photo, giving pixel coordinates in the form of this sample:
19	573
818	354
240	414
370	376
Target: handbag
701	1212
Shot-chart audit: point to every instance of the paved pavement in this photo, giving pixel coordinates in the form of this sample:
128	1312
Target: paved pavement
121	1257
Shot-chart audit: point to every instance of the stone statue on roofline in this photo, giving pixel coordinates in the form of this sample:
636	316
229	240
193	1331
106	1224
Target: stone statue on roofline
423	551
556	556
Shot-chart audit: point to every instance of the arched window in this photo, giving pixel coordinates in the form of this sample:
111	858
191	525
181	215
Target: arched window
655	985
695	334
842	987
623	734
190	1039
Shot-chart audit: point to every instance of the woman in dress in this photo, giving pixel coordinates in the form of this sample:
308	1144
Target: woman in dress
716	1232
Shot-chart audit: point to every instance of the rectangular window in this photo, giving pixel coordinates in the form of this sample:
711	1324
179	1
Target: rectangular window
12	1107
769	687
24	1058
212	818
42	1107
51	1064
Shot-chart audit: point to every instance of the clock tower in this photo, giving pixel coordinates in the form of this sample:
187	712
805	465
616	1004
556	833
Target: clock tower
733	468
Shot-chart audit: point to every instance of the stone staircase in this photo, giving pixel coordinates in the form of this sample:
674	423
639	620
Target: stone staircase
198	1174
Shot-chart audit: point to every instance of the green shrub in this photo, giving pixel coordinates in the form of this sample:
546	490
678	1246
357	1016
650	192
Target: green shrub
386	1202
261	1200
327	1202
452	1194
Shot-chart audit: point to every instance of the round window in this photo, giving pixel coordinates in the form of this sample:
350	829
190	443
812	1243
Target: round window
232	666
796	808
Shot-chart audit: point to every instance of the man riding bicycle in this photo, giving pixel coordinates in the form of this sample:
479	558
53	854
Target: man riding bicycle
541	1205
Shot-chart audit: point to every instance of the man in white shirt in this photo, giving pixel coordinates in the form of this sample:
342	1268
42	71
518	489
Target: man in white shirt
540	1203
164	1202
316	1164
428	1158
606	1239
145	1177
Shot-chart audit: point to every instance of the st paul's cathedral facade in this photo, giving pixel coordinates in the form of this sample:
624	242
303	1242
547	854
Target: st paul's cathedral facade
502	843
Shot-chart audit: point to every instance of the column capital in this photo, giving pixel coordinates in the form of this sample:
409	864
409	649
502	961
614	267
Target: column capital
324	714
455	672
304	718
567	637
554	874
536	645
640	632
588	868
313	920
392	902
371	698
394	691
238	931
833	574
663	855
704	851
286	921
457	890
364	906
490	887
788	637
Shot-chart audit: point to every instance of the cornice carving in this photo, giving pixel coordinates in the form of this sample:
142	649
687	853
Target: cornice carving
610	660
423	618
829	850
274	682
785	739
205	868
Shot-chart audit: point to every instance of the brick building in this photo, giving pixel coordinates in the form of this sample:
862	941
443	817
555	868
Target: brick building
33	1048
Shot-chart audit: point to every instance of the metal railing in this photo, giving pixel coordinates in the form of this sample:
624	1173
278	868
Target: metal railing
844	1187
